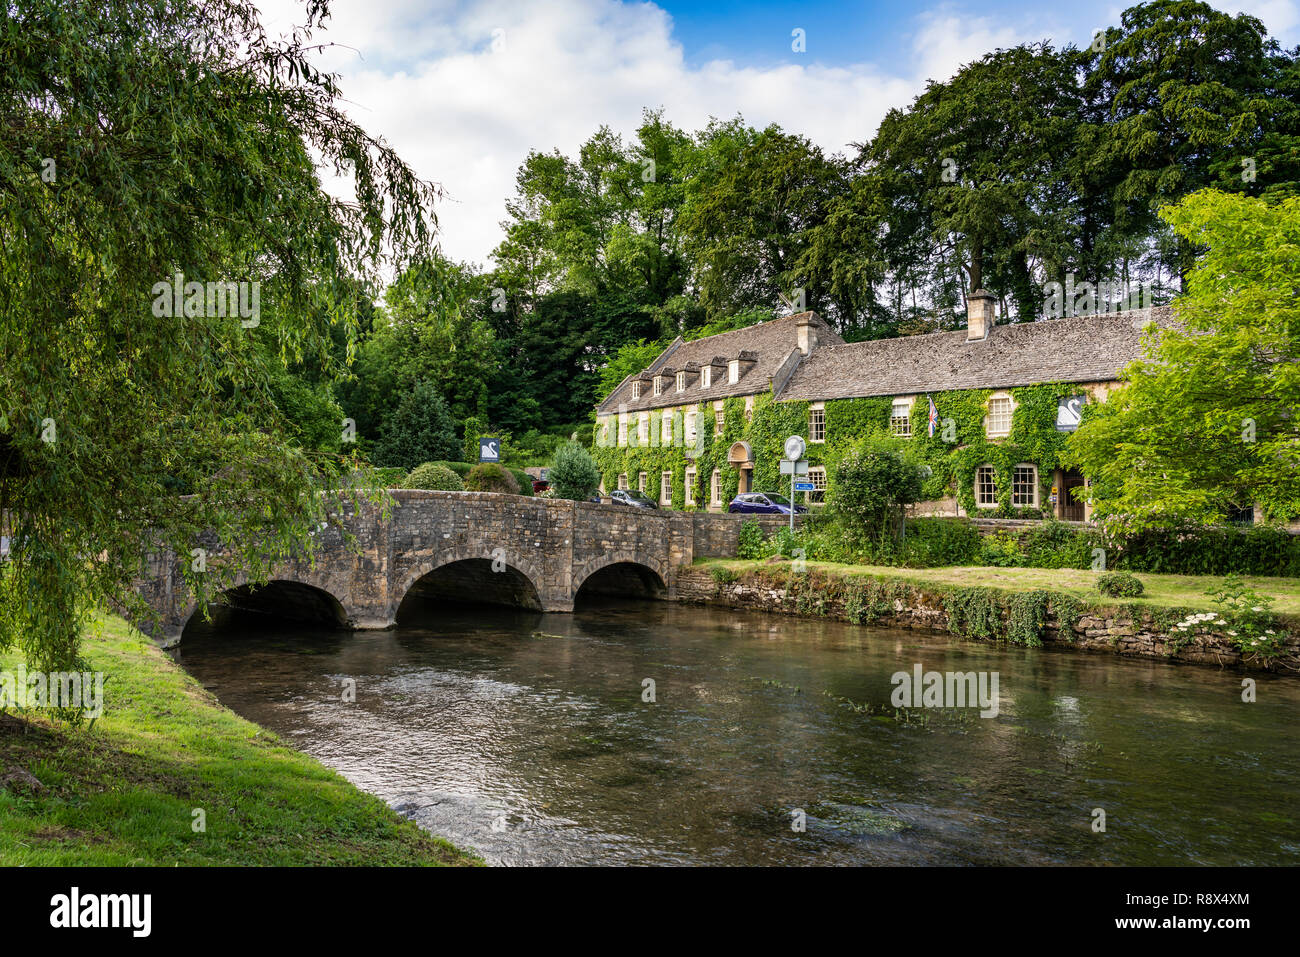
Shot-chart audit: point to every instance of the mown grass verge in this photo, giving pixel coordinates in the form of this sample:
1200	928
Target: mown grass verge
124	791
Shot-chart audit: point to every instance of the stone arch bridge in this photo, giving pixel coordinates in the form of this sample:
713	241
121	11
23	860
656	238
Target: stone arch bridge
467	546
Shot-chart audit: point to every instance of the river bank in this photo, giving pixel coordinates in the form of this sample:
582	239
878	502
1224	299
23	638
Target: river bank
1021	605
170	776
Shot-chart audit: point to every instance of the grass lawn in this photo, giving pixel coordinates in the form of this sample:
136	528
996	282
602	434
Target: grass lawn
1167	591
123	791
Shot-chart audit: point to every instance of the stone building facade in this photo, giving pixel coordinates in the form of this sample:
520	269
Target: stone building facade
989	408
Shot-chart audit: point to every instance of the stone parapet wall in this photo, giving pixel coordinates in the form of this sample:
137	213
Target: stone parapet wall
554	544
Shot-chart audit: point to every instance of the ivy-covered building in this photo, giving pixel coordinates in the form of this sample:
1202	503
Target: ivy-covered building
709	417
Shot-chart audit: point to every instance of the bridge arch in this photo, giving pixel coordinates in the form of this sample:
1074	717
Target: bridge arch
280	597
623	572
476	575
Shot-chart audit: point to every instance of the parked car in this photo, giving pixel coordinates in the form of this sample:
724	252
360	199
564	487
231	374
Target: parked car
763	503
630	496
540	485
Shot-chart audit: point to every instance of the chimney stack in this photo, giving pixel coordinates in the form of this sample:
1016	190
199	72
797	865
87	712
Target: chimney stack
807	338
979	314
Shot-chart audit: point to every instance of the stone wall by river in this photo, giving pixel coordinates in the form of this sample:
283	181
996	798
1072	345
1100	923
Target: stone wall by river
1113	630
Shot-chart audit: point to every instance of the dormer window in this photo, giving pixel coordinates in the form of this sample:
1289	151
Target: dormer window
659	385
681	382
636	389
706	377
733	371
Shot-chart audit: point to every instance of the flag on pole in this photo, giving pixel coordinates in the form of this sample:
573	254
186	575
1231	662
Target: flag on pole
934	415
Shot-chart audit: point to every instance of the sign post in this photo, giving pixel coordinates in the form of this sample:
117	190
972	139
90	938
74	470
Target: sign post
489	449
794	448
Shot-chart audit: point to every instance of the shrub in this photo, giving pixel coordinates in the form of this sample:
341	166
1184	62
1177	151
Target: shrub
750	543
1119	585
390	478
524	480
573	473
1001	549
491	477
873	482
433	477
722	575
1258	550
931	542
1053	544
421	429
460	468
1250	623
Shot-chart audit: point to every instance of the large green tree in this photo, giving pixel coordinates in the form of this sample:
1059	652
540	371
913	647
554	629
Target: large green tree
146	139
753	204
972	171
429	329
1188	90
1209	421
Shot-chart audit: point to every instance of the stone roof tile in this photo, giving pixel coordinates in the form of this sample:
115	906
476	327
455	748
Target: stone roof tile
1075	349
769	343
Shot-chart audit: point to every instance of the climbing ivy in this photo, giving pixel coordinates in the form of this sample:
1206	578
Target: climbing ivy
958	447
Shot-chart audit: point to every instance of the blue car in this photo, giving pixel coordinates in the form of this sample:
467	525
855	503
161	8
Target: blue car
763	503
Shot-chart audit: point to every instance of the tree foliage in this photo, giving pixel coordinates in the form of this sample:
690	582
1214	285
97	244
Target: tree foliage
573	474
1210	420
875	479
146	139
421	430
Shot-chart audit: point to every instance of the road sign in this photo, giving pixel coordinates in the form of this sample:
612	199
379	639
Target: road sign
489	449
794	468
794	447
804	487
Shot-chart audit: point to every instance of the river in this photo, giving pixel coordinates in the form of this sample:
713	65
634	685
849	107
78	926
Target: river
770	740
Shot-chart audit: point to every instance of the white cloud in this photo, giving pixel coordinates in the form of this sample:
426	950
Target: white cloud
464	114
1282	17
947	41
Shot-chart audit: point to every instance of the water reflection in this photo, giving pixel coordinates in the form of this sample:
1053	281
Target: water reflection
526	737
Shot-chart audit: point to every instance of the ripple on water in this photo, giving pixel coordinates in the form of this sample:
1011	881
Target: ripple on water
526	739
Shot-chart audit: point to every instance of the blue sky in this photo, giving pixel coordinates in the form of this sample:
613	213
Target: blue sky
465	88
852	32
841	33
760	32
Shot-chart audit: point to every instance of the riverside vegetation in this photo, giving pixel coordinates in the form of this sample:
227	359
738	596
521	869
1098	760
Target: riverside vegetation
1008	585
125	791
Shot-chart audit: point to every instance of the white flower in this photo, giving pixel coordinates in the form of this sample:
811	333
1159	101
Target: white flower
1233	634
1257	608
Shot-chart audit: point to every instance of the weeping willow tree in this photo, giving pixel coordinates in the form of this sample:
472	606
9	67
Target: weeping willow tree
166	249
